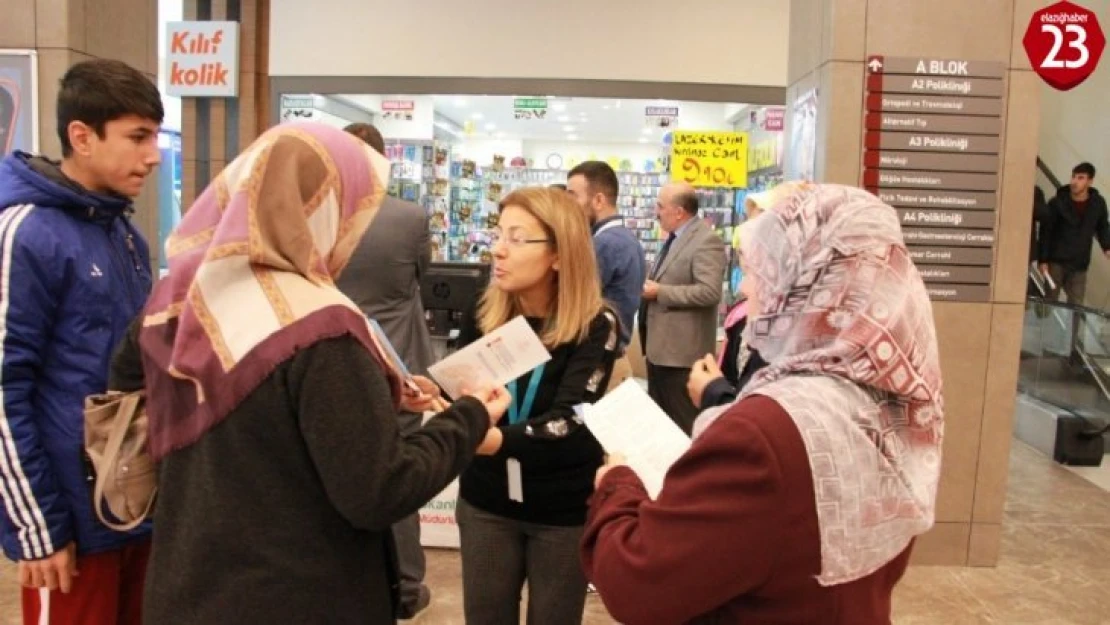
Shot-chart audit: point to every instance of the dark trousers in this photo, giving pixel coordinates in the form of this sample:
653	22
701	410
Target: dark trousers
410	555
499	554
667	387
1074	285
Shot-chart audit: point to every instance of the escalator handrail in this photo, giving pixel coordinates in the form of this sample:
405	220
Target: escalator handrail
1094	312
1038	281
1041	165
1089	363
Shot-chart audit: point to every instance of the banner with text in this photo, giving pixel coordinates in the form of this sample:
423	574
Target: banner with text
203	59
710	158
438	527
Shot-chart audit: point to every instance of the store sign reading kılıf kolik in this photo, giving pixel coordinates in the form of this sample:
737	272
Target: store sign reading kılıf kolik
203	59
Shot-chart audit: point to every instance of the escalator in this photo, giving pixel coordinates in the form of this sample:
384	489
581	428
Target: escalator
1064	375
1065	356
1063	403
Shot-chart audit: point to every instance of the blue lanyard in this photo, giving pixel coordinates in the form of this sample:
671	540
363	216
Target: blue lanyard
529	396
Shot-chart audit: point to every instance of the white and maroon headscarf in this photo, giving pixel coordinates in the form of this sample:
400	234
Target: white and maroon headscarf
846	326
252	276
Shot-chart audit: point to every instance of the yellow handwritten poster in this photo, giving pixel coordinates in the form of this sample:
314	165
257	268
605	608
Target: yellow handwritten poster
710	158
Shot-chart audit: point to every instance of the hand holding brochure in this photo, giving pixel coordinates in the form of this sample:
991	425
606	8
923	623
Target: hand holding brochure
627	421
495	359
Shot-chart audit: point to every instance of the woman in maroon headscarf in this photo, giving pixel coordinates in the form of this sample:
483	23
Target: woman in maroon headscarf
800	502
272	411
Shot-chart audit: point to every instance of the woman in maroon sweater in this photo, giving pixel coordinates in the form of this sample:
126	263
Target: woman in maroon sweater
800	502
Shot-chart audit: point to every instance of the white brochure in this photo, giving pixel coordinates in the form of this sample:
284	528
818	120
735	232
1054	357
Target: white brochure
495	359
628	422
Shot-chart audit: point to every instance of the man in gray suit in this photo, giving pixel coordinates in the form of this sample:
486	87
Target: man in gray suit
383	278
678	317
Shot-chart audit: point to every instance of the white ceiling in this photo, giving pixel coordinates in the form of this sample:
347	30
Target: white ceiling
734	42
570	119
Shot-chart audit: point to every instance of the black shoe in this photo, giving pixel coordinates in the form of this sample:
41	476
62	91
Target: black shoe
414	612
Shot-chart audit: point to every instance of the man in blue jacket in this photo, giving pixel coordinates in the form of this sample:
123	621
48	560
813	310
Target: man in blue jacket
74	272
620	257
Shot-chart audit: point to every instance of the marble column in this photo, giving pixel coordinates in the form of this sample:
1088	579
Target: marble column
830	41
215	130
65	32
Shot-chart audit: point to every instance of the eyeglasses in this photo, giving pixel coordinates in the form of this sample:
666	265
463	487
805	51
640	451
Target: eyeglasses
514	238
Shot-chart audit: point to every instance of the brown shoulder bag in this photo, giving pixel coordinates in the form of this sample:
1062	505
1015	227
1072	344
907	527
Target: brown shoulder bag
117	446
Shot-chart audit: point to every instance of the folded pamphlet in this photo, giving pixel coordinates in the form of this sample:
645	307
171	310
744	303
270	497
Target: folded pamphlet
495	359
628	422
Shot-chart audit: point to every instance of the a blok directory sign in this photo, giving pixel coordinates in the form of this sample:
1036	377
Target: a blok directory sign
932	140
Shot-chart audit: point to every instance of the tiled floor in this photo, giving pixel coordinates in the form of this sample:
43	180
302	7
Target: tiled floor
1099	476
1055	567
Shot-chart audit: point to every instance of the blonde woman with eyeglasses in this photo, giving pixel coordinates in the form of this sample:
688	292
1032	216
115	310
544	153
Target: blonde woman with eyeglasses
522	501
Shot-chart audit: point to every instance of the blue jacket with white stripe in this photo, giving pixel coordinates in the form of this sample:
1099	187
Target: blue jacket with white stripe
74	273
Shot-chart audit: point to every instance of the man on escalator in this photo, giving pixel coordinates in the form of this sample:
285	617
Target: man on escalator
1074	217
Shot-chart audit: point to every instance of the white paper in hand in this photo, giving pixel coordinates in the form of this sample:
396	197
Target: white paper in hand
627	421
495	359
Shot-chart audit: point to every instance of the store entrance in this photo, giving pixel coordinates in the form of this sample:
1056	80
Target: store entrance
458	155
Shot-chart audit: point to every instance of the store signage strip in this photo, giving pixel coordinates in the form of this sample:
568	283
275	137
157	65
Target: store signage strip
398	105
529	103
530	108
958	292
948	238
926	217
955	274
952	200
936	105
927	180
915	122
967	256
935	85
931	161
876	140
924	66
775	119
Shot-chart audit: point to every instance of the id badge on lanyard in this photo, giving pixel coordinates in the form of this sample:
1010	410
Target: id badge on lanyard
516	415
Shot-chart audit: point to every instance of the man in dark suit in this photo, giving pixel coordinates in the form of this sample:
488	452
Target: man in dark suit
678	317
383	279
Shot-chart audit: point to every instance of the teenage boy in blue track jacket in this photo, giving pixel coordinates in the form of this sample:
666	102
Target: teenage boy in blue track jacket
74	272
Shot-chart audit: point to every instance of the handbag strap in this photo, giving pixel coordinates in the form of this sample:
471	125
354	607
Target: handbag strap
129	405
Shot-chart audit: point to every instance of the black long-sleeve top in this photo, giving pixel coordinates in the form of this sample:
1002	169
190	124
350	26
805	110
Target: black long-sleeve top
282	512
1066	232
721	391
558	456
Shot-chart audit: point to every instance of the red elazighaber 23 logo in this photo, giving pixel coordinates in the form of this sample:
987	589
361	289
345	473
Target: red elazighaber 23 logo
1064	43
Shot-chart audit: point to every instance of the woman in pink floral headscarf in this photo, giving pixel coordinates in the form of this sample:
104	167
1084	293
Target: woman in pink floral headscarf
800	502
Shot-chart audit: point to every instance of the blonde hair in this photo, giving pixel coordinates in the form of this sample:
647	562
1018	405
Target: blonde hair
577	299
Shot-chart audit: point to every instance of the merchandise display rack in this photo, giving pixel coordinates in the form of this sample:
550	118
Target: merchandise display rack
461	200
636	202
464	213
